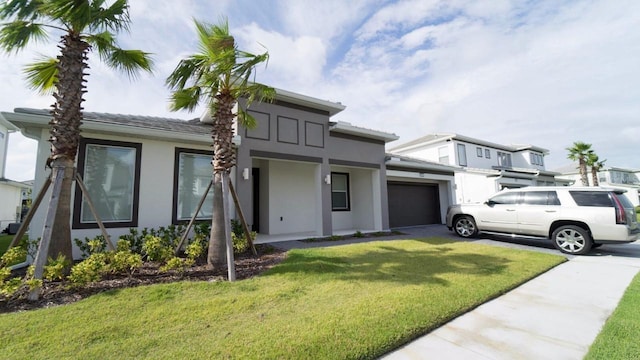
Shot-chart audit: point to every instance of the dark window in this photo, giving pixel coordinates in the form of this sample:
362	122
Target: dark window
192	175
541	198
111	173
504	159
479	151
626	203
591	198
340	192
487	153
505	199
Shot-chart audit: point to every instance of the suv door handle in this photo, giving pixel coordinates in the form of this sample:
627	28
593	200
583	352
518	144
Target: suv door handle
550	211
511	209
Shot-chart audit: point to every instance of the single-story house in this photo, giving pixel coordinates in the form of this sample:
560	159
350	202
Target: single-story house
299	174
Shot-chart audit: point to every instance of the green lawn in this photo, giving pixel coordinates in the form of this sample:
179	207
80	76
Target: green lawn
346	302
619	338
5	240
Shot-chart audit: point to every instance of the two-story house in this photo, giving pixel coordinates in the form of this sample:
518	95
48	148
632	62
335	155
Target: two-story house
608	176
482	167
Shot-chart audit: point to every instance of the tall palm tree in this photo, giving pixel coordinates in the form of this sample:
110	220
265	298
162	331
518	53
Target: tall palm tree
596	164
578	152
219	74
84	26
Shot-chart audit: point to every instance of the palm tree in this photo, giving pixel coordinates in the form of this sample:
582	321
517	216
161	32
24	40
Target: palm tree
578	152
594	162
84	26
219	74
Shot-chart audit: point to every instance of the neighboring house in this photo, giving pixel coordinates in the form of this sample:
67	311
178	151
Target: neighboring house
608	176
298	173
481	167
10	191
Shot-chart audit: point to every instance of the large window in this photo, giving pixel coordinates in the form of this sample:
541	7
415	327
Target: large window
536	159
340	192
462	155
504	159
192	175
111	172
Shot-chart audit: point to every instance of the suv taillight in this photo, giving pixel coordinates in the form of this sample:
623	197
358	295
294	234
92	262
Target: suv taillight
621	216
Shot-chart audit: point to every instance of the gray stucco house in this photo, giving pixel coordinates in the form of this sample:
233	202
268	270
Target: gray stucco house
299	174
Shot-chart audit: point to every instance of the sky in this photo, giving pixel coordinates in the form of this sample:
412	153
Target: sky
546	73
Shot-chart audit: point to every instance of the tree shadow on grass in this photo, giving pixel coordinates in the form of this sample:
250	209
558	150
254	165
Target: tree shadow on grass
392	262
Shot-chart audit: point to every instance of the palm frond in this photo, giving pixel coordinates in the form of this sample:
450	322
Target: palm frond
185	99
16	35
20	9
245	119
130	61
191	68
42	75
114	18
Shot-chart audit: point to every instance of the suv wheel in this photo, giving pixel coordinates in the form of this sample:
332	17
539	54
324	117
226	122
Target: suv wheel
571	239
465	226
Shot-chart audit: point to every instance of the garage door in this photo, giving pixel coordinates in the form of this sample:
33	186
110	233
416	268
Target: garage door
412	204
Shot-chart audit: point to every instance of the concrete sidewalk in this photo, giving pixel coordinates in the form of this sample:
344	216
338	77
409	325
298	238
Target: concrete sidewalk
554	316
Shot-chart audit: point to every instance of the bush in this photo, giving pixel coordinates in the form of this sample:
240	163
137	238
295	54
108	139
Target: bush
156	249
55	269
124	260
91	246
89	270
238	237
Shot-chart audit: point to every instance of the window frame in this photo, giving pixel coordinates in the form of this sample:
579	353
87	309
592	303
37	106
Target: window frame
77	222
487	153
461	151
176	176
347	191
506	157
479	151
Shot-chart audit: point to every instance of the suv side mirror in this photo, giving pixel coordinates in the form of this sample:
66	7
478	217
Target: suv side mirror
489	203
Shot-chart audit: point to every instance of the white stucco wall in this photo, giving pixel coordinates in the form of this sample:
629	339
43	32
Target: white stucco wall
10	201
292	197
361	187
471	187
156	185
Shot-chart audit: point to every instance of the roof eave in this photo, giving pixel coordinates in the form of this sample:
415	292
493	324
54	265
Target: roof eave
346	128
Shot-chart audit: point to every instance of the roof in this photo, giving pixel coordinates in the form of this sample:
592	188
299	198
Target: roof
443	137
4	122
346	128
572	168
298	99
116	124
419	164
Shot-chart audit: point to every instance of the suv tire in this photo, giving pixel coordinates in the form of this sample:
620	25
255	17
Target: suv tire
571	239
465	226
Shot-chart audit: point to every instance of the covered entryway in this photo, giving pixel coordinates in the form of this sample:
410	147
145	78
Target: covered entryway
412	204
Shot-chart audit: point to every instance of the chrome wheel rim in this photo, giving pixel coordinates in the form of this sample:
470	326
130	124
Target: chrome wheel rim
465	228
570	240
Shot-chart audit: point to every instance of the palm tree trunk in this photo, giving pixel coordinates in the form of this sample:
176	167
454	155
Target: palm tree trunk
583	172
65	134
216	256
594	176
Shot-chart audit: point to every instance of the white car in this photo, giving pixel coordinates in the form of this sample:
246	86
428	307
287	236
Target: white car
574	218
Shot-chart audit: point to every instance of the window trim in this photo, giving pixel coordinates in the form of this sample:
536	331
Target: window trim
176	175
461	155
348	192
77	201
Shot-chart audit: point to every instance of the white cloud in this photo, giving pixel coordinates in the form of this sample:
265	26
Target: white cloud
508	71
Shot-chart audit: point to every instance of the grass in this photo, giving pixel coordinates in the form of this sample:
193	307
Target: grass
356	301
5	241
619	336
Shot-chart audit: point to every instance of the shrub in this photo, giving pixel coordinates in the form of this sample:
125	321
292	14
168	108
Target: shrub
178	264
55	269
12	256
89	270
124	260
155	249
196	248
238	237
91	246
358	234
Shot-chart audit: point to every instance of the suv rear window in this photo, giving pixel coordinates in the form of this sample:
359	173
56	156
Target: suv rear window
591	198
624	201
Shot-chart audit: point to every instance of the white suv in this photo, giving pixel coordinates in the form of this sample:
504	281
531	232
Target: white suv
574	218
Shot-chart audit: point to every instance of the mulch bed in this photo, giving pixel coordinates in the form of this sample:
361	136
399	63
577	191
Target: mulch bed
59	293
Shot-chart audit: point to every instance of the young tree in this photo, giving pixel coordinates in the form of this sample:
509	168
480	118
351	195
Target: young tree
84	26
578	152
219	74
594	162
